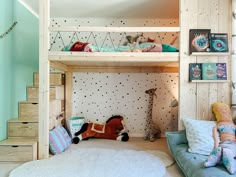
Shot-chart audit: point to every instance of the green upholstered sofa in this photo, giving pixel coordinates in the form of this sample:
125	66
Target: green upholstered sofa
191	164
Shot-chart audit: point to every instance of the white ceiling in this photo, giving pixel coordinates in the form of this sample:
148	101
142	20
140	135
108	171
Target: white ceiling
109	8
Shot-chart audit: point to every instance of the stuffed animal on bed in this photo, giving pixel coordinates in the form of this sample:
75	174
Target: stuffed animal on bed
224	139
113	129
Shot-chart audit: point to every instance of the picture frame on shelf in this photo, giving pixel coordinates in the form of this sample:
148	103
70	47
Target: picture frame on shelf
209	71
219	42
195	71
199	40
221	71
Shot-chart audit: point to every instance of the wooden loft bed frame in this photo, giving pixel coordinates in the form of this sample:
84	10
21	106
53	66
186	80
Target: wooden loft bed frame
91	62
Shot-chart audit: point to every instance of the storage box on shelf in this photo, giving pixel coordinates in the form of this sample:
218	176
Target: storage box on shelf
18	150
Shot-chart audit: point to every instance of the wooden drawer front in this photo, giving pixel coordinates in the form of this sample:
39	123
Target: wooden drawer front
55	79
28	110
22	129
56	92
16	153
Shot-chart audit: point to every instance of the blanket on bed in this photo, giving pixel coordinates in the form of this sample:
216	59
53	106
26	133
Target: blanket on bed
143	47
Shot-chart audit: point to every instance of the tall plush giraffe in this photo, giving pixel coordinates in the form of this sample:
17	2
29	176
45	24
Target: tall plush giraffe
152	131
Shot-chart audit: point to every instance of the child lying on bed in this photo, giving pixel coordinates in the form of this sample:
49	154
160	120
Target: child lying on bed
143	47
224	139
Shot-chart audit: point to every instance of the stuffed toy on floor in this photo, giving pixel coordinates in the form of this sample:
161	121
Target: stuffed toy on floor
113	129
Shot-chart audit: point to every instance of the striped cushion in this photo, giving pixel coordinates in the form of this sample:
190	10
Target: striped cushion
59	140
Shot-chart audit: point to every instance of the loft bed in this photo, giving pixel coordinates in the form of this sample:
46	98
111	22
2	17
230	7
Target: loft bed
136	54
71	61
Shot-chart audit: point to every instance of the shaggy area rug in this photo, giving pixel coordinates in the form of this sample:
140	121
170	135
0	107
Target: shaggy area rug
95	162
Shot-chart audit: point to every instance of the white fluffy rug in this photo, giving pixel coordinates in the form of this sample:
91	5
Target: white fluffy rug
96	162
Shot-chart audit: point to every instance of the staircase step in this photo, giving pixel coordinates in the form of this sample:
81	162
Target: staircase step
22	128
56	92
55	79
29	110
18	150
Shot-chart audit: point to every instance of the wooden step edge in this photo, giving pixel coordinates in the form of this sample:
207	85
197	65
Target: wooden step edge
18	141
22	120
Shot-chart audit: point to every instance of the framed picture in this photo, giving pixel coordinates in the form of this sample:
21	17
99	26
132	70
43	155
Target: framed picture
221	71
219	42
195	71
199	40
209	71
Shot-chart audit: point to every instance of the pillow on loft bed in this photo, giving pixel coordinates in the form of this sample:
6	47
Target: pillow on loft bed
143	47
59	140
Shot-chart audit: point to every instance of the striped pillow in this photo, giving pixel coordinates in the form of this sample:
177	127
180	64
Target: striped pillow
59	140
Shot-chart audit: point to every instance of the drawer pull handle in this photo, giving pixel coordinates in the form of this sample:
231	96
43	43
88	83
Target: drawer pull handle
34	103
25	122
14	146
24	127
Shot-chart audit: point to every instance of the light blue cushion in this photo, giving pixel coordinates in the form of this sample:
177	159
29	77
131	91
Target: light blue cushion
192	165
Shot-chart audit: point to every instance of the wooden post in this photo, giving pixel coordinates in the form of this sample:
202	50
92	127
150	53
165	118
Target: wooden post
68	93
43	79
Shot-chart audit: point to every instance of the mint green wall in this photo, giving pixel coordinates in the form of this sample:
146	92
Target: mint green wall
18	59
6	60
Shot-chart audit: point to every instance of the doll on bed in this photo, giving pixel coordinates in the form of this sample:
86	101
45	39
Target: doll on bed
224	139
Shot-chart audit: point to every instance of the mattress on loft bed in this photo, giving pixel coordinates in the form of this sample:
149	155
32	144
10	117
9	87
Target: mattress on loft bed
143	47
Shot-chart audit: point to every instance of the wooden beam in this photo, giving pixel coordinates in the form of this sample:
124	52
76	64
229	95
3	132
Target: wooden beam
59	65
114	29
127	69
68	95
43	80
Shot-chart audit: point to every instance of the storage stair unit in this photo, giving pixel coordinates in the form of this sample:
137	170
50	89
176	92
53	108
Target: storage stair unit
22	142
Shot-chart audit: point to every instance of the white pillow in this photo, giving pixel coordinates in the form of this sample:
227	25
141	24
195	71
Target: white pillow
199	135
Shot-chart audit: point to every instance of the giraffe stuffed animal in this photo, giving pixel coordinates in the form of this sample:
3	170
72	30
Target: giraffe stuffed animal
152	131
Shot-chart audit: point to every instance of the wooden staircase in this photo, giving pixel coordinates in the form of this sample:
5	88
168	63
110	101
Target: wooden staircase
21	145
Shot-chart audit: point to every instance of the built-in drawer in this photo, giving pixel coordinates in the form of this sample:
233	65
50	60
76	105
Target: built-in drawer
22	128
18	150
29	110
56	92
54	79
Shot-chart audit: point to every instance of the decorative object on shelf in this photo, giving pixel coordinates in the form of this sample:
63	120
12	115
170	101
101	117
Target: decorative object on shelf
195	71
207	71
152	130
8	31
199	40
218	42
221	72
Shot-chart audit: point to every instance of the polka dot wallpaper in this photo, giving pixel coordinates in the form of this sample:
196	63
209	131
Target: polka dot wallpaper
98	96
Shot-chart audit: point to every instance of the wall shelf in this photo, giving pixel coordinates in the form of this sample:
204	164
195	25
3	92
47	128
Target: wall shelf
210	54
210	81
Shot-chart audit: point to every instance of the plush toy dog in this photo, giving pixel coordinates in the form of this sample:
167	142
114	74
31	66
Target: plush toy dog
113	129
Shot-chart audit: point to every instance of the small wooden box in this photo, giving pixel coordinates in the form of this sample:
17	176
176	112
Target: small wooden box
55	79
56	92
22	128
18	150
29	110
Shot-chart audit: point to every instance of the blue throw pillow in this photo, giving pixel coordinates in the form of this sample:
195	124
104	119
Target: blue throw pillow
59	140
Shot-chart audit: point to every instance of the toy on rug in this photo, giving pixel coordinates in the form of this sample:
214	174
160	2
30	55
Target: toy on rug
152	130
113	129
224	139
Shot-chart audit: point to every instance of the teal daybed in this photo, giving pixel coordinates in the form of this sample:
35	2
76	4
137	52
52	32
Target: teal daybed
191	164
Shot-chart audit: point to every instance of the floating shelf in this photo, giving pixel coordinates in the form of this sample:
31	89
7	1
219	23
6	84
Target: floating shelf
209	54
210	81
